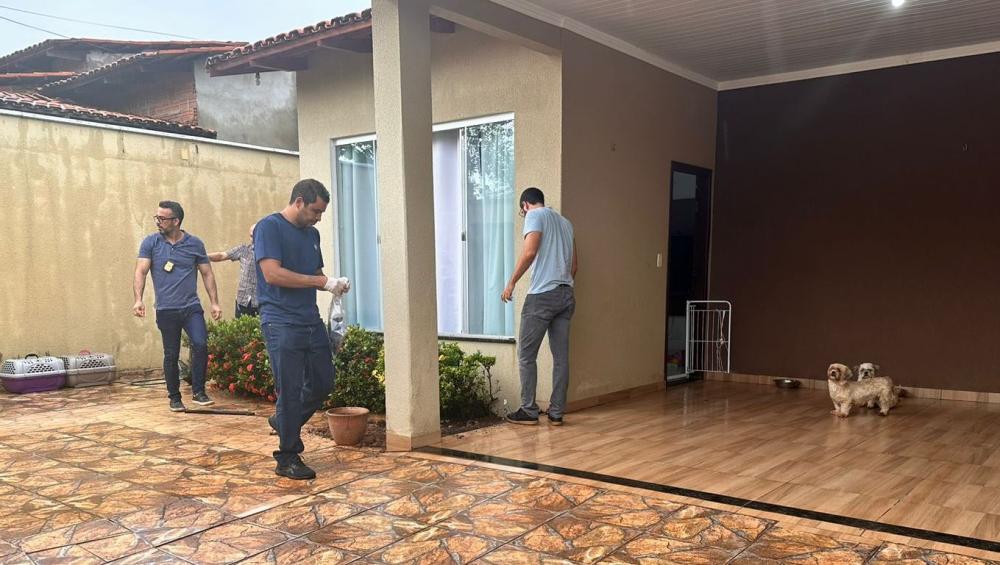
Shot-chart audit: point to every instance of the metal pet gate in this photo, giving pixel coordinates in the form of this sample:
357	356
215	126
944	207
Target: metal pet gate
707	336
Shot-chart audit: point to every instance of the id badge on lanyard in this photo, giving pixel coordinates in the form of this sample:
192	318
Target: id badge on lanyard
169	265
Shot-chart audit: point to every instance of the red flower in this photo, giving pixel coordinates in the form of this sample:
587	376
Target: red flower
227	365
270	398
250	367
232	387
246	356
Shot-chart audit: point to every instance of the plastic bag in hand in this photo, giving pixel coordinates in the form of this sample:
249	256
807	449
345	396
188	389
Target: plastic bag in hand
337	326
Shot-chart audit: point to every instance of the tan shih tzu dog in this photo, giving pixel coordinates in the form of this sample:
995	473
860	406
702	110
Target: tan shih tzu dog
870	371
867	371
847	393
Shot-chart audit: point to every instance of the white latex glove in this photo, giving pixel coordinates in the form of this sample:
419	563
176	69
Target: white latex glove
338	287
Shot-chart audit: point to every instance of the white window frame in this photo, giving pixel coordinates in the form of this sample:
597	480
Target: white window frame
444	126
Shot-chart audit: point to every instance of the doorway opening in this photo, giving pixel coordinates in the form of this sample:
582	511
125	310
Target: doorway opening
689	220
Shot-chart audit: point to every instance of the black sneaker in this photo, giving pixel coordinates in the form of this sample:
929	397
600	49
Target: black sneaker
273	422
202	399
296	470
522	417
176	406
555	420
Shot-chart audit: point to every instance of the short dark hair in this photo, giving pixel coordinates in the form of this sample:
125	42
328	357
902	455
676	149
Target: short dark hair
309	190
175	208
532	195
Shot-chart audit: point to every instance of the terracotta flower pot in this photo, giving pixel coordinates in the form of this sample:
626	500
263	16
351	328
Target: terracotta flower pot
348	424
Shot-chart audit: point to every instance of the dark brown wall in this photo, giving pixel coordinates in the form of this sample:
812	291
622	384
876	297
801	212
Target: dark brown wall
857	218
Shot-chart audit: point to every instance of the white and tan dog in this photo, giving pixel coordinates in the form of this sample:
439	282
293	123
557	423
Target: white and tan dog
867	371
870	371
847	393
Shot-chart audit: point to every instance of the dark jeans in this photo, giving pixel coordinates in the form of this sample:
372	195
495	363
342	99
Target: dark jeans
247	310
546	312
303	378
192	321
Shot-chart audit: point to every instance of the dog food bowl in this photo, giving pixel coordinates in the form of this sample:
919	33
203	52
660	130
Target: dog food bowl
787	383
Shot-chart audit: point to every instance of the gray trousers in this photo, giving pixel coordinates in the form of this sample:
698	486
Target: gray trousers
546	312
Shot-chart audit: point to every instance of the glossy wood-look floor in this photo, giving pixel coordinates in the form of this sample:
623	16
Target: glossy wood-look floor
931	464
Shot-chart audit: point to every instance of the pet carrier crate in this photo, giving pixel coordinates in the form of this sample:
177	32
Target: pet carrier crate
32	374
89	369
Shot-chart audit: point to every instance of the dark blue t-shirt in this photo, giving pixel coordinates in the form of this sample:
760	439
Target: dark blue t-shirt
297	249
177	288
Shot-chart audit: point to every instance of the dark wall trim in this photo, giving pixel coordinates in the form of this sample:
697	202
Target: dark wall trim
940	537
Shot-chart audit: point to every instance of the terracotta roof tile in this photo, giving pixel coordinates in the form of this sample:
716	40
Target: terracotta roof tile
125	62
37	103
295	35
34	77
110	45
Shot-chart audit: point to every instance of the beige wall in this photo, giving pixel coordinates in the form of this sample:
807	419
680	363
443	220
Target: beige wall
624	121
473	75
597	131
77	201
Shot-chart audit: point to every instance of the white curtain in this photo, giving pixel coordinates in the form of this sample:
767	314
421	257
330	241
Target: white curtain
357	205
448	220
489	226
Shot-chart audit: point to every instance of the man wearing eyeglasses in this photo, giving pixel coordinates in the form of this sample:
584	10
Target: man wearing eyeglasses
174	258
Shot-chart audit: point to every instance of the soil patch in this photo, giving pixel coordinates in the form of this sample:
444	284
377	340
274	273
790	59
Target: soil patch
375	435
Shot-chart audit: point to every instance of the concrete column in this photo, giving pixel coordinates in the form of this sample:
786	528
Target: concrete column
401	51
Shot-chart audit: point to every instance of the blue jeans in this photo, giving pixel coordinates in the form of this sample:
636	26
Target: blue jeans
303	378
192	321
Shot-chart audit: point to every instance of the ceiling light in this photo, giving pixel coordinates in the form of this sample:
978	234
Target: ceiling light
897	3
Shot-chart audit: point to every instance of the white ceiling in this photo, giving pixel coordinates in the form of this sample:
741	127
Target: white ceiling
728	44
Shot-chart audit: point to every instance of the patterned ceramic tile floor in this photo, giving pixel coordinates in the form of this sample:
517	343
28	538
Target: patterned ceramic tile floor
108	474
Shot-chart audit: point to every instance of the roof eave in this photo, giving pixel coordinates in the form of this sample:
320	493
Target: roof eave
288	55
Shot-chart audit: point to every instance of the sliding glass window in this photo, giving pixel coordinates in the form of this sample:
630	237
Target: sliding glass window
474	227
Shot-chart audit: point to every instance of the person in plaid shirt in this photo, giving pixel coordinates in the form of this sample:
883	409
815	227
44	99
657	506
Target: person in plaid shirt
246	291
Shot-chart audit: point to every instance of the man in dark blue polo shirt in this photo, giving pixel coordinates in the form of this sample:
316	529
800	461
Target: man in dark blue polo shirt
289	271
174	257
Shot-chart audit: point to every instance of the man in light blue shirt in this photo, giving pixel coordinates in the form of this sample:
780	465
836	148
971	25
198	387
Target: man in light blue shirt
550	250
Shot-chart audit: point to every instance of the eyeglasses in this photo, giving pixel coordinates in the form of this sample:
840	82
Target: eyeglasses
161	219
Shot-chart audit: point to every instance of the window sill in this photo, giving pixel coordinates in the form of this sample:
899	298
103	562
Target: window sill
477	338
469	338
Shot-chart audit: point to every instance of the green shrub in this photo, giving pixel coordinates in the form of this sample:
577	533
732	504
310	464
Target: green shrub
465	382
360	365
238	362
237	358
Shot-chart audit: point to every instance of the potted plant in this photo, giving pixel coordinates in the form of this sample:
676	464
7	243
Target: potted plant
359	386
